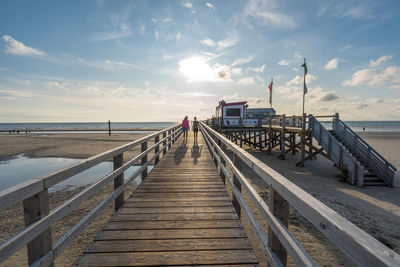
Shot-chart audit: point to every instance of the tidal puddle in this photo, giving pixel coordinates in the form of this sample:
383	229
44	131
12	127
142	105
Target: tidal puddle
22	168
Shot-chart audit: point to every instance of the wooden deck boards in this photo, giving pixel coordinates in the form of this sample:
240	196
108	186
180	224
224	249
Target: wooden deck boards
180	215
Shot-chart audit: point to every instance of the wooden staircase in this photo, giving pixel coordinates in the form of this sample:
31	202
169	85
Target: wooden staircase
362	164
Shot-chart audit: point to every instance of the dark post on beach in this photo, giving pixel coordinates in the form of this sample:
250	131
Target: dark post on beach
109	128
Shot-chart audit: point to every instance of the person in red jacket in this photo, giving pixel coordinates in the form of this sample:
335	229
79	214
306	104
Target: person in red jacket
185	128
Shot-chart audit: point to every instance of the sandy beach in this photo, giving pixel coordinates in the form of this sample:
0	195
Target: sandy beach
376	210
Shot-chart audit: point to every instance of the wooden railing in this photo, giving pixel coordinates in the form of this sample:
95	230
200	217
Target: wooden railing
367	155
362	248
338	153
34	195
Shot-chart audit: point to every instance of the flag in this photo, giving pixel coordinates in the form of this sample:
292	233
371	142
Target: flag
305	73
270	91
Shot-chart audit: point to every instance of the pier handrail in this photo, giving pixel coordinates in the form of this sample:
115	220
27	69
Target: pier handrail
299	255
362	248
37	189
341	129
19	192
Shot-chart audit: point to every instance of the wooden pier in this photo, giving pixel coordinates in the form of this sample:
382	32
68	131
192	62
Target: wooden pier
188	210
181	214
357	161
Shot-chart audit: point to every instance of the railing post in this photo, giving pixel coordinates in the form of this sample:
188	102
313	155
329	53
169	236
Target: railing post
173	136
221	173
35	208
238	164
144	160
169	139
164	143
280	208
119	180
156	140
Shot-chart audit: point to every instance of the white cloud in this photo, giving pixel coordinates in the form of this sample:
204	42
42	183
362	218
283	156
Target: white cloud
236	71
374	77
208	42
344	48
12	94
188	5
259	69
240	61
265	12
300	79
227	42
317	95
17	48
142	28
147	83
380	60
178	36
167	56
283	62
196	94
246	81
210	5
332	64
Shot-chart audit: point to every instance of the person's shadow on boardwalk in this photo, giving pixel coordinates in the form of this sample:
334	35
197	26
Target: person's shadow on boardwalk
180	153
195	152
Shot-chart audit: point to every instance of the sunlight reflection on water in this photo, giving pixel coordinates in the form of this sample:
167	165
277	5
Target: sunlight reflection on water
22	168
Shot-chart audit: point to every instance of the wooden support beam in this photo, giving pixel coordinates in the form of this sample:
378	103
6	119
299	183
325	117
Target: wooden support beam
303	141
169	138
282	155
144	159
280	208
156	140
35	208
118	161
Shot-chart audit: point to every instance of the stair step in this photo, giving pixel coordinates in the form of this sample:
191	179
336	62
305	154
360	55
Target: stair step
374	183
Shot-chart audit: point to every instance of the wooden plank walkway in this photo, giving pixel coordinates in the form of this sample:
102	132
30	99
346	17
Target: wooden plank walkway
180	215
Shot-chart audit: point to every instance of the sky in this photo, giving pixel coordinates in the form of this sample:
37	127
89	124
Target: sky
93	61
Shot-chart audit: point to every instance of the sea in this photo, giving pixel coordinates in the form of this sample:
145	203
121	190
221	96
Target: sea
63	127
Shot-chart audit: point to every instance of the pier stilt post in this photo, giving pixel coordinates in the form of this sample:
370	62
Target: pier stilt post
156	140
144	159
270	135
164	143
283	134
238	164
280	208
310	138
303	139
118	181
35	208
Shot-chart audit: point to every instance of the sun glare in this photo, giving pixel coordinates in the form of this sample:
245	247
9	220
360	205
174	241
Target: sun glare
196	69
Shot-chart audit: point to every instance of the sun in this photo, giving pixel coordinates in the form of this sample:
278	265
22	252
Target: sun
197	69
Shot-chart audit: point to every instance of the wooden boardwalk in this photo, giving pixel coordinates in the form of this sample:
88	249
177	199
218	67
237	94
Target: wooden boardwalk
180	215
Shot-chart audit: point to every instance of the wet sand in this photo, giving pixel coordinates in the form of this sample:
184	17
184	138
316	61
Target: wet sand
376	210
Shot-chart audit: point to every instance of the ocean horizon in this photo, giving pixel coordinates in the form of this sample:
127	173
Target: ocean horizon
115	126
